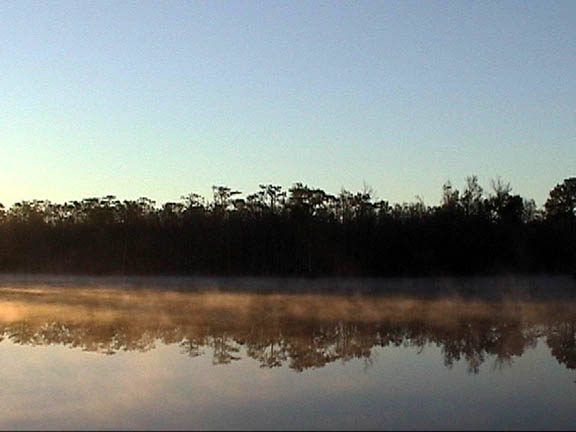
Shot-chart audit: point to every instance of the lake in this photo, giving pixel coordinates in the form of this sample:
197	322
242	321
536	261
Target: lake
201	353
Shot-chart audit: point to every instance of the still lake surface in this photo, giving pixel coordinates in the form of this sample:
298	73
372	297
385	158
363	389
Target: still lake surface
177	353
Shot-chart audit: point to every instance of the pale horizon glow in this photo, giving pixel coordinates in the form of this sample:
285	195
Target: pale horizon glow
159	99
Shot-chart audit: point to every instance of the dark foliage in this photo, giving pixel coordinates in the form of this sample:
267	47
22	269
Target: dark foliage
304	231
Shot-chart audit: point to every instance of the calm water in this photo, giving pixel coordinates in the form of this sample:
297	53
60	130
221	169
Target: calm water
259	354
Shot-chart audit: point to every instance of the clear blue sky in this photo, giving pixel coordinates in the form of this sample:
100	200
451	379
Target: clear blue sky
161	98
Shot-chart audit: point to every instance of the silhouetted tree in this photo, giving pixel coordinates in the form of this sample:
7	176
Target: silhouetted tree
562	200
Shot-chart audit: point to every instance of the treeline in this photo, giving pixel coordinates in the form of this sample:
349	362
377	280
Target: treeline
302	231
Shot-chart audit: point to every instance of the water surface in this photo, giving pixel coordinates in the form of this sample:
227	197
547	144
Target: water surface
169	353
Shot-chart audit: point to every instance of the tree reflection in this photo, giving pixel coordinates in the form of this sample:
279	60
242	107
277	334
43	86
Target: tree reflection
299	331
561	338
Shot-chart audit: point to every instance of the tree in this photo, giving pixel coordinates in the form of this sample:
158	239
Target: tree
450	197
503	206
222	197
562	200
531	211
273	195
472	200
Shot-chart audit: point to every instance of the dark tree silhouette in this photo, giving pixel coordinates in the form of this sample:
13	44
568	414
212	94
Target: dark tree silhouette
562	199
302	231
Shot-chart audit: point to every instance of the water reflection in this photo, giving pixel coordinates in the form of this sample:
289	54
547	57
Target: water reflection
300	331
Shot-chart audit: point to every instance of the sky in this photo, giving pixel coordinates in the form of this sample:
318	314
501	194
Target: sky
164	98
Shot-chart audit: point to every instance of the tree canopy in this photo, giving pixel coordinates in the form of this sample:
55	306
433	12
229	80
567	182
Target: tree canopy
302	231
562	199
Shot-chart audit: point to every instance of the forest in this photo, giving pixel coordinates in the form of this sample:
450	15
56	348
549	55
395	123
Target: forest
303	231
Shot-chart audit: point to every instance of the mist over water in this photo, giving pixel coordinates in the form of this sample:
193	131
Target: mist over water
477	353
